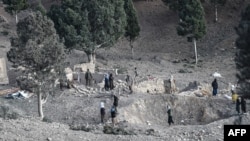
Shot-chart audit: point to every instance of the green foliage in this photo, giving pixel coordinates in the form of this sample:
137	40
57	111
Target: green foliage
132	28
242	58
14	6
38	49
88	25
5	33
192	21
41	8
218	2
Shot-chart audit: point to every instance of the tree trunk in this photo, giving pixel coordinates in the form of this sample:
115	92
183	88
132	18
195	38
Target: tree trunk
216	13
195	51
40	105
132	49
16	18
91	57
94	57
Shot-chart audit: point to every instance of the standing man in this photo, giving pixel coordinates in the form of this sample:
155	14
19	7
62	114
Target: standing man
115	103
243	105
88	77
238	103
129	83
170	118
102	110
136	75
106	82
113	115
215	87
111	81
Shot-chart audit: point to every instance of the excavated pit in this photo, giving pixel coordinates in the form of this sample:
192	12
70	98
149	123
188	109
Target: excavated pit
186	110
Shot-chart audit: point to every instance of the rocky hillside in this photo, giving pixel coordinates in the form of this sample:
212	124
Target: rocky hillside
160	52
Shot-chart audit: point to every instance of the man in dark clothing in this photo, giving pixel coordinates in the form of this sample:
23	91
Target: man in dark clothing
102	110
106	82
88	77
113	115
170	118
215	87
243	105
111	81
238	103
115	101
136	73
127	78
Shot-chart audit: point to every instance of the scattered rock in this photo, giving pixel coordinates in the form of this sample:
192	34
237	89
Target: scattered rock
176	61
2	19
184	71
117	131
150	132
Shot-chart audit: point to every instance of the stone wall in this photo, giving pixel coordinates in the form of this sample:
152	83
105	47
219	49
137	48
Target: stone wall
153	86
3	72
97	77
83	67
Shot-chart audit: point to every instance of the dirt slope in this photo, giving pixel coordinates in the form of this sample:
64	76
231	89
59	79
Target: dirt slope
157	47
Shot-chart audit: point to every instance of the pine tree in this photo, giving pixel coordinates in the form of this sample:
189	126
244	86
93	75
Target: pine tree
15	6
242	58
38	49
132	27
192	22
216	3
89	25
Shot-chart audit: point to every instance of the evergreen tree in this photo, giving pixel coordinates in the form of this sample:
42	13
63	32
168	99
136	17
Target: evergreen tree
38	49
15	6
216	3
242	58
40	7
89	25
132	27
192	21
172	4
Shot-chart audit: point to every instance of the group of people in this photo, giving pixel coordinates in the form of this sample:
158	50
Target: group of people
109	81
113	111
241	105
238	100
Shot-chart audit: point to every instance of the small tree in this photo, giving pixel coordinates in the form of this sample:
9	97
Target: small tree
38	49
192	22
216	3
132	28
242	58
89	25
15	6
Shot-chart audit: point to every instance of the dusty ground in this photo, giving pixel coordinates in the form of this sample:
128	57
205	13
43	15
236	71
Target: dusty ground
159	52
